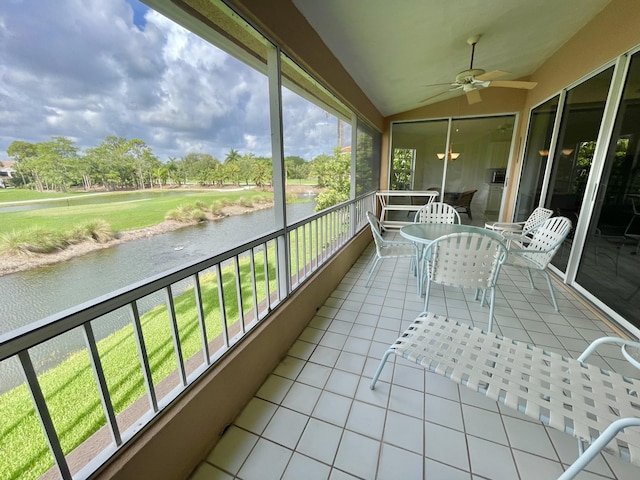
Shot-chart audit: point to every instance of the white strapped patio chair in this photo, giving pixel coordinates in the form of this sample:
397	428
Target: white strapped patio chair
547	239
509	229
596	406
466	260
437	212
388	248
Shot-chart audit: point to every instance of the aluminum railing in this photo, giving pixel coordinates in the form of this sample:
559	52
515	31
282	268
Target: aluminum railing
143	345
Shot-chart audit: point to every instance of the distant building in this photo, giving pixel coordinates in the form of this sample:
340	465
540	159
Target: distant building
6	172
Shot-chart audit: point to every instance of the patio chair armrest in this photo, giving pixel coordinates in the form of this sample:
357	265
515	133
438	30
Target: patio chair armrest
528	251
602	340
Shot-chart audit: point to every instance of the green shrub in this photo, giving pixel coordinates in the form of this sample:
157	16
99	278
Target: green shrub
96	230
216	207
186	214
32	240
245	202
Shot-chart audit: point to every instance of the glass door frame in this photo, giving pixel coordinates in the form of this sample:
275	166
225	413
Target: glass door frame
603	144
450	125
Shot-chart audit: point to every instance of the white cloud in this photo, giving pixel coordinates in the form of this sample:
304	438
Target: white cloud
83	69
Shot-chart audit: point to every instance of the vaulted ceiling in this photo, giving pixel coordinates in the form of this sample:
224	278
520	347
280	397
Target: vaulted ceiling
395	50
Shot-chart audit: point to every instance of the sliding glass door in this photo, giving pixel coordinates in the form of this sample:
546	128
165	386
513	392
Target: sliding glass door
466	159
573	156
610	259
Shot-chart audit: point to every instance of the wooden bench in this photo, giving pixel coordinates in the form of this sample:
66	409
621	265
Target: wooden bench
596	406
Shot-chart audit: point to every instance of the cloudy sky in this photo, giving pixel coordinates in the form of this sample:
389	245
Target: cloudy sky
86	69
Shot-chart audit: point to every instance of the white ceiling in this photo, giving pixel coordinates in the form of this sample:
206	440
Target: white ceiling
393	49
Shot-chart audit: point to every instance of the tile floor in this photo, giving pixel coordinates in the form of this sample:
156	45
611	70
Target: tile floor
316	418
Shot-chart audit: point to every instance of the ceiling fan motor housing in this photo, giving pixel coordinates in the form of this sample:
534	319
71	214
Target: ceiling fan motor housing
468	76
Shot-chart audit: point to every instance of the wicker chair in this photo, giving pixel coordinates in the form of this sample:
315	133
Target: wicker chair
463	202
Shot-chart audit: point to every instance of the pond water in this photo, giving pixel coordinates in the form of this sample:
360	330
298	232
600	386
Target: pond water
34	294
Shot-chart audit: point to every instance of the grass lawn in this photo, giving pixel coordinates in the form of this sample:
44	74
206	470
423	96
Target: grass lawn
21	194
120	210
70	388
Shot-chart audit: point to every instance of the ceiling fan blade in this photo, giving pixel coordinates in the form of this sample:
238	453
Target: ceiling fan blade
433	96
513	84
491	75
473	96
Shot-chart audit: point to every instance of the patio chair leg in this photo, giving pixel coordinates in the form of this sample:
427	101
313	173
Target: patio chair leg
492	297
426	299
372	385
553	295
530	278
373	267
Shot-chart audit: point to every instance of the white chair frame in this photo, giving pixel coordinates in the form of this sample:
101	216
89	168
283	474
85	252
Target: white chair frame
437	212
509	229
466	260
540	249
387	248
596	406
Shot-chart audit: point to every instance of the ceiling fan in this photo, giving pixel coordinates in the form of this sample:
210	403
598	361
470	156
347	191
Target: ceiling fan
472	80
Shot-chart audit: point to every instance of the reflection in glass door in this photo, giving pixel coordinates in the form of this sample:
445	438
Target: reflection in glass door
610	260
535	158
573	155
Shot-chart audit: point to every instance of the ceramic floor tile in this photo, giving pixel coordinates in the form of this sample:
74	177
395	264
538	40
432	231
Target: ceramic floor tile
532	467
350	362
446	446
314	374
302	350
274	388
407	401
404	432
302	398
320	440
343	383
268	461
286	427
437	470
301	467
208	472
289	367
491	460
232	449
443	412
409	375
256	415
484	424
398	463
357	455
332	408
325	356
529	437
330	424
366	419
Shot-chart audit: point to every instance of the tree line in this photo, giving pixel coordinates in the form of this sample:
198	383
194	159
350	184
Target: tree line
119	163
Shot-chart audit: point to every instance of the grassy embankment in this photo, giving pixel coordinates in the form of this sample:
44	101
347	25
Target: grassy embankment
70	388
49	229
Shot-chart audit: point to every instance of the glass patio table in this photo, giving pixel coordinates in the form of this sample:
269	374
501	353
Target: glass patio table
422	234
